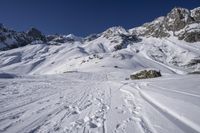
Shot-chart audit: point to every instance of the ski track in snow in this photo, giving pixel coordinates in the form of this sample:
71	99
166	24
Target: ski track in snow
64	104
180	121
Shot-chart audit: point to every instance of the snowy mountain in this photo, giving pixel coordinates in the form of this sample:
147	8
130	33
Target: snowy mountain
169	43
179	22
70	84
10	39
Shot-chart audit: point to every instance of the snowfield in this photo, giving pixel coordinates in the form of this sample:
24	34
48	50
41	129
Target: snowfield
99	102
75	87
69	84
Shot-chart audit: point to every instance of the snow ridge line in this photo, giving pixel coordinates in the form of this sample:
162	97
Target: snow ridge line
182	122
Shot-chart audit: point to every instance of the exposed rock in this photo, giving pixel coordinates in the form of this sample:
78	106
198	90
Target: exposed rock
182	22
36	34
155	28
10	39
191	33
194	62
91	37
114	31
117	47
145	74
59	39
195	13
177	19
51	37
192	37
179	22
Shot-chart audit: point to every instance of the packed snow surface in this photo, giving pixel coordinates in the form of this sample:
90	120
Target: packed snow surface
98	102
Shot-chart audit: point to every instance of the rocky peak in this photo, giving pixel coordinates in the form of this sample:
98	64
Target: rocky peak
177	19
10	39
179	22
3	28
59	39
36	34
114	31
195	13
151	29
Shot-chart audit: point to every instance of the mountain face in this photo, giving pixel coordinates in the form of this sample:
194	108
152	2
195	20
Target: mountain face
10	39
98	84
180	22
169	43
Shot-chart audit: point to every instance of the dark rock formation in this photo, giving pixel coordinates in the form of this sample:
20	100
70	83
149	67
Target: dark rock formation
145	74
10	39
36	34
183	23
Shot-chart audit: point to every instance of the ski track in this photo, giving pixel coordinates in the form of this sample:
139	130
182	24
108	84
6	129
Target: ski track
131	103
84	105
185	124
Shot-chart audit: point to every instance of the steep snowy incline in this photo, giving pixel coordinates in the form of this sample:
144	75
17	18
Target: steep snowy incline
99	102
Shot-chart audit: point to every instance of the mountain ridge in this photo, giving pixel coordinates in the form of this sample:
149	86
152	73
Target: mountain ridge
179	22
152	45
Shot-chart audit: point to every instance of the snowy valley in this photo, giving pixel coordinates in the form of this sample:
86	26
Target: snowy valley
70	84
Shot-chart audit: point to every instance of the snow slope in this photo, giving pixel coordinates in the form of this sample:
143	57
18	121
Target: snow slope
167	54
69	84
99	102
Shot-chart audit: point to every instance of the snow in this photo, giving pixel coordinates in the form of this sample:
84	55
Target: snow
99	102
168	55
195	11
83	85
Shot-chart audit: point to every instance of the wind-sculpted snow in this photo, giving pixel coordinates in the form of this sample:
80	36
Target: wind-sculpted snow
99	102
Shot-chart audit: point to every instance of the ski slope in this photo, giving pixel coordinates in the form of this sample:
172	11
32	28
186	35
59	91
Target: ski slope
99	102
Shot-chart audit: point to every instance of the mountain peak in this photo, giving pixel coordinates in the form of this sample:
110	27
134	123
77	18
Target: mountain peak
195	13
177	22
36	34
116	30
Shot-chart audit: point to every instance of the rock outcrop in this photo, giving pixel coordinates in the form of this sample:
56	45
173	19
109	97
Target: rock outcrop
145	74
179	22
10	39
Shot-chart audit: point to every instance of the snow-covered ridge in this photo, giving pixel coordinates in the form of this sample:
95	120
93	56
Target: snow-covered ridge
69	84
175	23
153	45
10	39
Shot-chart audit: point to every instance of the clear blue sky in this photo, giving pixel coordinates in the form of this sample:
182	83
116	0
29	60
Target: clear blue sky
83	17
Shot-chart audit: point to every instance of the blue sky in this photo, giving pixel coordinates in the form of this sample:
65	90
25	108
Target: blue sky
84	17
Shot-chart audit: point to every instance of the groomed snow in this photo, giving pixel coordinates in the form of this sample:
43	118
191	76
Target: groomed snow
99	102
